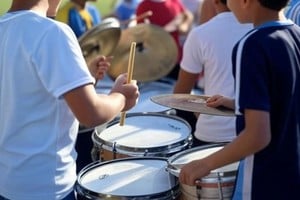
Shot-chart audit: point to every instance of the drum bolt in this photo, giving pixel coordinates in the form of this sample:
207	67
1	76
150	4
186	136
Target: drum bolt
220	187
174	127
103	176
146	152
114	150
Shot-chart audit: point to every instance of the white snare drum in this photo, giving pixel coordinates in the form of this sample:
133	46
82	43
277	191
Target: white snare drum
143	134
219	184
127	178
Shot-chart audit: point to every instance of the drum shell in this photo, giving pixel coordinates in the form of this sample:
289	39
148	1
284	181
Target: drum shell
112	149
219	184
83	192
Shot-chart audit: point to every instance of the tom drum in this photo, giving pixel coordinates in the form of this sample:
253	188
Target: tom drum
219	184
127	178
143	134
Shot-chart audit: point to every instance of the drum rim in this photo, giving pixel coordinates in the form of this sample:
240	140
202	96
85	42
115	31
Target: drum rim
141	151
174	191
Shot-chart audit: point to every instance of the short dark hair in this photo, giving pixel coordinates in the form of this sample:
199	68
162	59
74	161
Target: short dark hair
274	4
224	1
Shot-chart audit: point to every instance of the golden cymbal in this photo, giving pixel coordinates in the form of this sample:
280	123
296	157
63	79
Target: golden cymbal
192	103
101	39
155	56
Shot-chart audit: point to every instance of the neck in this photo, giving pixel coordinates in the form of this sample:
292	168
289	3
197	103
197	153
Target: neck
40	6
267	16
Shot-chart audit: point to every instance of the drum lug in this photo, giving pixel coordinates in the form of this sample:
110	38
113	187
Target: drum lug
94	153
146	152
198	192
220	186
114	150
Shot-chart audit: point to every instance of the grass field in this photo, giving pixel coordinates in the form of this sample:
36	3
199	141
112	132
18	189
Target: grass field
104	6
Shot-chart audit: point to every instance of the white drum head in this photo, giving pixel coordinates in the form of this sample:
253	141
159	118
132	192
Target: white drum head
146	131
128	177
199	153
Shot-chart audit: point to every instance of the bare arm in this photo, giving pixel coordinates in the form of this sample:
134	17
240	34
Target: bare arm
206	11
185	82
182	23
255	137
92	109
186	23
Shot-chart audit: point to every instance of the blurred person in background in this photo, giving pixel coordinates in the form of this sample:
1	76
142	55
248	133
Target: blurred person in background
292	11
80	15
173	17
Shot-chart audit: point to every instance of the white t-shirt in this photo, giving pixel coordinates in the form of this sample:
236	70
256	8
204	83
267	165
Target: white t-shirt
208	47
40	60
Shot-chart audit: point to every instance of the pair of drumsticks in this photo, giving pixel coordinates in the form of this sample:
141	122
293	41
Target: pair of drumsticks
129	76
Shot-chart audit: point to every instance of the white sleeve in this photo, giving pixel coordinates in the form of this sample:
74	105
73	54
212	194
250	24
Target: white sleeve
192	59
60	62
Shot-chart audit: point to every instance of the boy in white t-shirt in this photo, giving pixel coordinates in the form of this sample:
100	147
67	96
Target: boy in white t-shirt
46	89
208	49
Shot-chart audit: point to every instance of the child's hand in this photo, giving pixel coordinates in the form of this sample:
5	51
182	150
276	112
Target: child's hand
219	100
99	66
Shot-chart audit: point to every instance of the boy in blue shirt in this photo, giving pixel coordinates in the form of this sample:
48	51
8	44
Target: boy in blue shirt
267	85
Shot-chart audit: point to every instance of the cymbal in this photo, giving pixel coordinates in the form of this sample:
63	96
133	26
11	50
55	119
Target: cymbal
192	103
102	39
155	56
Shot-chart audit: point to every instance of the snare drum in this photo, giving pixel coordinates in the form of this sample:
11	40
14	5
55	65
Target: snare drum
219	184
143	134
127	178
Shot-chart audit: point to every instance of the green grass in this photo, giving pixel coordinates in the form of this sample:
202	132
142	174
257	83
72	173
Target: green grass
104	6
4	5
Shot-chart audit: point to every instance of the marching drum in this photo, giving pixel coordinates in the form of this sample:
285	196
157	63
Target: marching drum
143	134
219	184
127	178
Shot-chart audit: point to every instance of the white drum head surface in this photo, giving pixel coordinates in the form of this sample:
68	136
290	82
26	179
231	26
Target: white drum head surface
128	177
145	131
199	153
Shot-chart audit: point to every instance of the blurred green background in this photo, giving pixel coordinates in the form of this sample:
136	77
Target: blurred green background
104	6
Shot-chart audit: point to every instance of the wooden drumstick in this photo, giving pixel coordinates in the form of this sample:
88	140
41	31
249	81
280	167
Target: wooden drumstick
129	76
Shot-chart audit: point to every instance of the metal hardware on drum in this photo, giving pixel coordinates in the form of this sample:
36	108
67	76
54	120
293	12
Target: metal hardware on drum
145	134
220	186
127	179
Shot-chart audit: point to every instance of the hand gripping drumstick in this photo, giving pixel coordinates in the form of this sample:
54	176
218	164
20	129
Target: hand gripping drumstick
129	76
